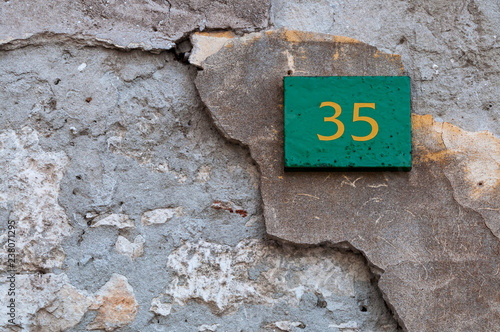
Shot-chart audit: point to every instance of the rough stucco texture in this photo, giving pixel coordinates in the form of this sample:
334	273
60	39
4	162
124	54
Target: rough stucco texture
422	228
134	214
149	25
450	49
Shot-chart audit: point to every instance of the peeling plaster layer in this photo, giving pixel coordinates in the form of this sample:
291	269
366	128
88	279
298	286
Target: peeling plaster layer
415	227
206	45
147	25
471	163
450	49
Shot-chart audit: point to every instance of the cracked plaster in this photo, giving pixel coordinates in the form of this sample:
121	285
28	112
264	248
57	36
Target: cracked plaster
416	228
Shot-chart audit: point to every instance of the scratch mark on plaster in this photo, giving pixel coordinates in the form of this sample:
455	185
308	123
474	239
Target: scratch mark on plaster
411	253
349	182
308	196
378	185
410	212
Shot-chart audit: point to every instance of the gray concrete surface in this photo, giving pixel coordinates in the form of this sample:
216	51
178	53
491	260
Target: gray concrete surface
131	136
407	224
134	214
450	49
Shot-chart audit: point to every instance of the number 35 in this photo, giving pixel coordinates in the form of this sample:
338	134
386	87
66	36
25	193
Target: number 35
356	117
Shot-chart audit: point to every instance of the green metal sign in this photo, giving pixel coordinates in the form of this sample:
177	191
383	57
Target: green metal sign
347	123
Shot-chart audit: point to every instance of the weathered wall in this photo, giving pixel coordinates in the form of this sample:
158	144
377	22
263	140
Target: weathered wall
133	212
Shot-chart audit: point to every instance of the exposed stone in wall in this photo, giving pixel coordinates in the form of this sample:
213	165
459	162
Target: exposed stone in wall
89	133
117	220
420	229
49	302
115	304
142	160
160	216
39	295
160	308
30	180
66	310
148	25
130	249
206	327
285	325
259	273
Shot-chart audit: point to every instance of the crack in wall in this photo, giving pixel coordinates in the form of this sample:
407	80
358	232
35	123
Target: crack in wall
241	63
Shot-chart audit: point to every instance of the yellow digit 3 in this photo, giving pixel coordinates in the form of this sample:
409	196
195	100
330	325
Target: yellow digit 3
371	121
340	125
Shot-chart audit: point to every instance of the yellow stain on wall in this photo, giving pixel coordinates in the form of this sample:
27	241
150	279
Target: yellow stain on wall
295	36
473	157
217	34
336	55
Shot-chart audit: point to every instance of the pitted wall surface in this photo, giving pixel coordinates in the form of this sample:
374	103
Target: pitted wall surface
137	211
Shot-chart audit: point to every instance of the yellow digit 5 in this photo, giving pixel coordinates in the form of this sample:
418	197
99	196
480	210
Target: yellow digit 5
340	125
372	122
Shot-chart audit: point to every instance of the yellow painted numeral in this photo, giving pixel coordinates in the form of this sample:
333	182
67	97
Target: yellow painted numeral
372	122
356	117
340	125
